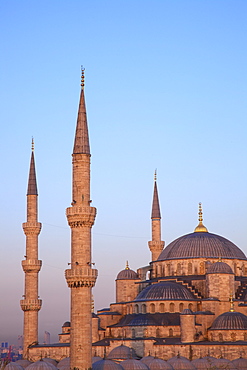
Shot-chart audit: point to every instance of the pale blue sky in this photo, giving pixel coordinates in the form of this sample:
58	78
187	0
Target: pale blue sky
165	88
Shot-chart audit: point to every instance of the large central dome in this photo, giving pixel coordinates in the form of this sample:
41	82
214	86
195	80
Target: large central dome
201	245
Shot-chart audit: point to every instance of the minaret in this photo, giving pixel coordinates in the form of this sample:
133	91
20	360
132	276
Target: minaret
81	277
31	265
156	245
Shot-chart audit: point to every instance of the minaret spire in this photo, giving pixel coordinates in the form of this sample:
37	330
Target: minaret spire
156	245
81	277
81	143
31	303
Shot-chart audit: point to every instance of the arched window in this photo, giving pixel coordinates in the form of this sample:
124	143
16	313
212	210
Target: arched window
172	307
179	269
158	332
170	332
152	307
233	337
133	333
189	268
124	333
131	309
202	268
128	310
245	336
162	307
145	332
220	337
136	308
181	307
191	306
235	268
144	310
168	269
199	306
119	334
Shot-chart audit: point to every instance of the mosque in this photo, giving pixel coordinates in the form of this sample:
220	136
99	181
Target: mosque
189	300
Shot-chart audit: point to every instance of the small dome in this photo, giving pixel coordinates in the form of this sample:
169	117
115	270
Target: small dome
64	362
187	311
96	358
13	366
223	363
165	290
132	364
240	363
201	245
106	365
66	324
203	363
50	361
147	359
23	363
230	321
121	353
41	365
127	274
158	364
219	268
181	363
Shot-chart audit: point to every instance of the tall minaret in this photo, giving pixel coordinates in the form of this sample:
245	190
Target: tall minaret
156	245
81	277
31	265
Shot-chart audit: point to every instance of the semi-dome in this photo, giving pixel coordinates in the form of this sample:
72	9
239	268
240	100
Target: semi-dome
64	362
201	245
106	365
219	268
132	364
165	290
147	359
230	321
127	274
121	352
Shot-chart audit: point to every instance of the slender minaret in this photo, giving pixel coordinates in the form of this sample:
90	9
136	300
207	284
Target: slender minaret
31	265
156	245
81	277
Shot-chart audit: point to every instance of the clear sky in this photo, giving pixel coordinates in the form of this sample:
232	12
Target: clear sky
166	88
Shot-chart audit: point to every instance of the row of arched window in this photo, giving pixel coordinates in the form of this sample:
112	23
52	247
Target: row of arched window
122	333
172	269
161	307
233	337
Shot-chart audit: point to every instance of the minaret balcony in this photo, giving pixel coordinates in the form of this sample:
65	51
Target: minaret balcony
31	265
81	277
156	245
31	304
79	216
31	228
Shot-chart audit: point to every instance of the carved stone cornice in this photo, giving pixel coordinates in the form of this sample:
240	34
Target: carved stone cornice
31	304
156	245
33	265
31	228
81	216
81	277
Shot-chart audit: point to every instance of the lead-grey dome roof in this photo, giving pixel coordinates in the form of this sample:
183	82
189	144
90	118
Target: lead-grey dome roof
201	245
230	321
121	352
219	268
106	365
165	290
127	274
132	364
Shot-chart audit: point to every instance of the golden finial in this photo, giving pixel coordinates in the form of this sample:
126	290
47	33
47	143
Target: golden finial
232	303
82	77
32	145
155	175
127	266
220	259
200	227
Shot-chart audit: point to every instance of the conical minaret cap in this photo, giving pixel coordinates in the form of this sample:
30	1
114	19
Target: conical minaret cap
156	206
81	143
32	183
